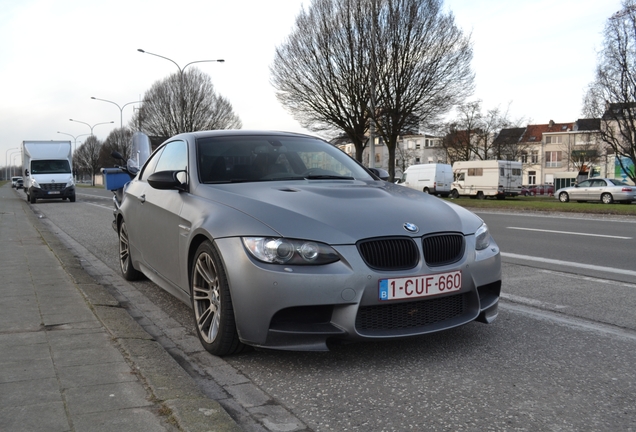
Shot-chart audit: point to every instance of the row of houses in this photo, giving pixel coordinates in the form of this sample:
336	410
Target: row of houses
546	151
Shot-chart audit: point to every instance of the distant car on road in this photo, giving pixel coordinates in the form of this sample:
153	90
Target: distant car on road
544	189
280	240
19	184
524	191
14	180
598	189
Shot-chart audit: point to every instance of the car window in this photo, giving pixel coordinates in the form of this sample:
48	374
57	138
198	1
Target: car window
171	157
586	183
617	182
174	157
599	183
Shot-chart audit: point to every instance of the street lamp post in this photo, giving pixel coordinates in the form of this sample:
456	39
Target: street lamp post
15	164
96	124
121	108
12	156
6	162
74	138
181	70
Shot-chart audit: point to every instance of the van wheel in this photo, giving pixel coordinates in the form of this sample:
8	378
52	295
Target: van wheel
72	198
454	194
480	195
31	199
425	190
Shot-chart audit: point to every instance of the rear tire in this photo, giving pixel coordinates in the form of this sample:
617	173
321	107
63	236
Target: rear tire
425	190
212	303
454	194
480	195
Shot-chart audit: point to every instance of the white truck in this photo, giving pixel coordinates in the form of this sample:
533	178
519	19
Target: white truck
486	178
48	170
434	179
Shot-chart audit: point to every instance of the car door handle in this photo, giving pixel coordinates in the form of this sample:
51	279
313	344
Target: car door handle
142	198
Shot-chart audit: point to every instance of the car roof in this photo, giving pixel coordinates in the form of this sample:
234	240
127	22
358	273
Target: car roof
241	132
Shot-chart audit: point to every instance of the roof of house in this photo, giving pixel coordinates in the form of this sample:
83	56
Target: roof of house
589	124
534	133
509	136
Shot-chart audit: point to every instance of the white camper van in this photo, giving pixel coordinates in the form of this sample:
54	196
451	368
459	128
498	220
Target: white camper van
487	178
48	170
435	179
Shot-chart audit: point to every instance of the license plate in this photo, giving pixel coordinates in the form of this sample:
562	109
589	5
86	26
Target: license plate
54	192
420	286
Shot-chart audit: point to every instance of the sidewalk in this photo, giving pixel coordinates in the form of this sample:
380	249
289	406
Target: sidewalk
69	354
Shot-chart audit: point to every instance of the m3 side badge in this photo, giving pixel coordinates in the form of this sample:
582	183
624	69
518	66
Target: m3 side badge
412	228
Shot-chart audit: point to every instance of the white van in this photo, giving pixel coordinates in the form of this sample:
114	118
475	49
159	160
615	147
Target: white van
48	170
435	179
481	179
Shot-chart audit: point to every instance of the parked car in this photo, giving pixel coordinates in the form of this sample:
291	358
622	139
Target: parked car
544	189
14	180
19	184
281	240
598	189
525	190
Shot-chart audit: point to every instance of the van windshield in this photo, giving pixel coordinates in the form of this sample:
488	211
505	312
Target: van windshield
50	167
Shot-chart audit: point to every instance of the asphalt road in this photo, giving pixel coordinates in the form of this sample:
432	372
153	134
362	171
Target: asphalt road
560	357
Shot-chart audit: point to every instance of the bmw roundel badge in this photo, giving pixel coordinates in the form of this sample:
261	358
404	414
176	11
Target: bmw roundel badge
411	227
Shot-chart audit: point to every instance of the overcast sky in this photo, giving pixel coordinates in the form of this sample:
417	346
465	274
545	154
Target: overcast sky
538	56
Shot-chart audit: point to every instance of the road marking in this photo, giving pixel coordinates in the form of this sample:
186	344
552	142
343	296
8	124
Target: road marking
570	232
573	322
569	264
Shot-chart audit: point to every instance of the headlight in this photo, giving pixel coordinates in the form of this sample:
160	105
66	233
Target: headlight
35	184
70	183
286	251
482	237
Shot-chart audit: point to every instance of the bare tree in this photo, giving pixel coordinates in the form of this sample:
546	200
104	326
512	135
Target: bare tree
473	134
185	102
119	140
612	95
87	156
423	66
322	71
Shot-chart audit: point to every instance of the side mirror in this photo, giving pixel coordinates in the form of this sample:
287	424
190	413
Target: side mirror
26	172
167	180
380	173
117	155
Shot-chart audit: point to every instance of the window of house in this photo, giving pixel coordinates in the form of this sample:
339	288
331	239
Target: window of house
553	159
532	177
417	160
553	139
524	157
417	145
377	157
534	157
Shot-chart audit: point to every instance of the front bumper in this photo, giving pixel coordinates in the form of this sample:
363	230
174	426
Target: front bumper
303	307
52	192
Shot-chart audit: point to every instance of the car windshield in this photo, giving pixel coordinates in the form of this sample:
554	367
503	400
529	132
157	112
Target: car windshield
235	159
50	167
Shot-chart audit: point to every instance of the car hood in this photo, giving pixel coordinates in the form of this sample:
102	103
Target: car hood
341	212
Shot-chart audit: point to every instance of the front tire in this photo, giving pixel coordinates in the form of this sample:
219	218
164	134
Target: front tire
607	198
212	303
125	262
564	197
454	194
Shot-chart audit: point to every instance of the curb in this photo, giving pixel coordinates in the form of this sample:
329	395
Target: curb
171	388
